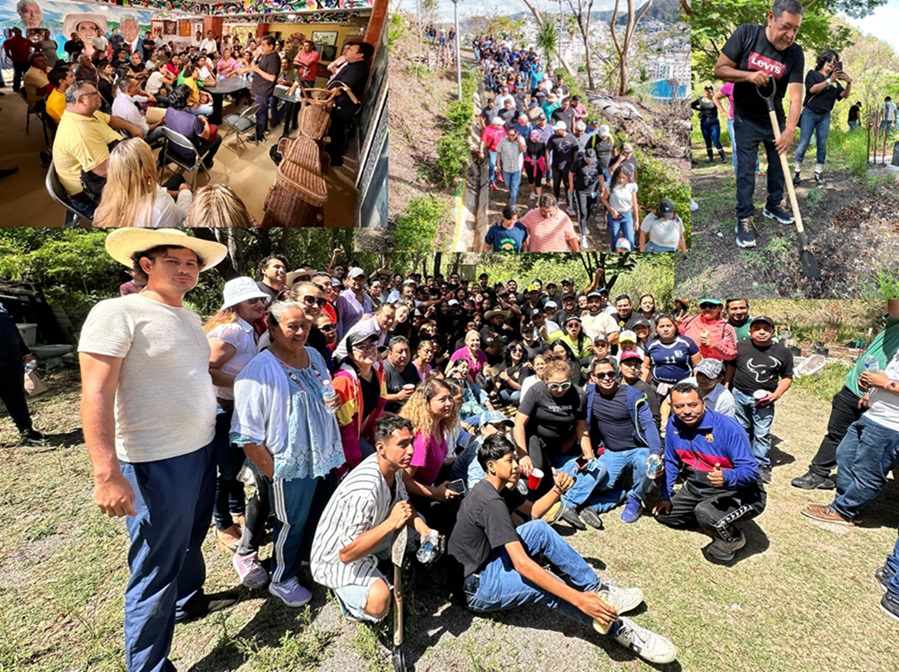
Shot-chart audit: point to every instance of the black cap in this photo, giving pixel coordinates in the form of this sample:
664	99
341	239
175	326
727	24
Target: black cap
569	297
762	318
568	281
666	208
590	155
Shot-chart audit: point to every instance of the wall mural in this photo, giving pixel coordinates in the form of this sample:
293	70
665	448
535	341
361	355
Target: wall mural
254	7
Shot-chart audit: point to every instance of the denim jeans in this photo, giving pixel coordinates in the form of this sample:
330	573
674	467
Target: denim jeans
291	501
809	123
749	135
892	564
492	163
205	110
886	125
865	456
622	225
510	396
173	502
502	588
711	133
733	147
513	181
756	420
844	411
853	125
229	492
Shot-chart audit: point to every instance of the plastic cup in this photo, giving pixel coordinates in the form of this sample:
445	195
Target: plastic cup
602	628
534	479
759	395
408	387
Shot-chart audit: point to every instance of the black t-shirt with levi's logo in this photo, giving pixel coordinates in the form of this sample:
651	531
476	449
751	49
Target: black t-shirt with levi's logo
750	49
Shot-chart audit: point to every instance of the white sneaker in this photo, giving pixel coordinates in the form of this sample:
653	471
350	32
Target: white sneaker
583	242
648	645
533	196
624	599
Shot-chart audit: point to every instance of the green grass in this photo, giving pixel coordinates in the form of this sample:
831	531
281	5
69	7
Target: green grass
826	384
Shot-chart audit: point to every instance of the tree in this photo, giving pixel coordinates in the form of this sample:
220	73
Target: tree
557	43
547	40
623	45
581	11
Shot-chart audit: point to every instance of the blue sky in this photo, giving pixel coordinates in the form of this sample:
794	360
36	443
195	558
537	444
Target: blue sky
471	7
883	23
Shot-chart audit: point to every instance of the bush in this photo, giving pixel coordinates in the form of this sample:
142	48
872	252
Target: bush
395	30
417	226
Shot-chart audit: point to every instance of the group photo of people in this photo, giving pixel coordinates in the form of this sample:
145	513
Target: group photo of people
256	107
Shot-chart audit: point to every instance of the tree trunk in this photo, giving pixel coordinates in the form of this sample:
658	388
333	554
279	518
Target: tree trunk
438	259
623	46
539	16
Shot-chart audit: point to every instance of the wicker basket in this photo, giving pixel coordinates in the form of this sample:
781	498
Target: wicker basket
306	153
314	122
285	207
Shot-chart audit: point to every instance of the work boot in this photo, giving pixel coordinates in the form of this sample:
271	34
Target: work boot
711	156
723	157
819	179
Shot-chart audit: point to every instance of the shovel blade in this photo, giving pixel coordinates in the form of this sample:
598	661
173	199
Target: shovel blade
809	265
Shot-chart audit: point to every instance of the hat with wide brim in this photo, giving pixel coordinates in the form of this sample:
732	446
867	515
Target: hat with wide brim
241	289
302	272
72	20
490	314
123	243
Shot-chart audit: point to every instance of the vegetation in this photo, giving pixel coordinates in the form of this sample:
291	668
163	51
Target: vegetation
417	226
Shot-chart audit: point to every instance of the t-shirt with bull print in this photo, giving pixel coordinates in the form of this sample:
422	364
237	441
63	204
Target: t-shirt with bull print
761	368
750	49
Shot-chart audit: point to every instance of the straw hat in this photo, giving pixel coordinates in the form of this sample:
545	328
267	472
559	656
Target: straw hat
121	244
72	20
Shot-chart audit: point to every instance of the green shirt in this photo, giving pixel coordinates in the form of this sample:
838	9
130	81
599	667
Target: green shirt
742	332
883	347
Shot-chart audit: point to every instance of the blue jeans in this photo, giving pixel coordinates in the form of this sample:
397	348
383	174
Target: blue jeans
502	588
756	420
202	109
513	181
711	133
733	147
892	564
173	501
886	125
865	456
853	125
230	498
749	135
809	123
623	225
291	502
510	396
492	160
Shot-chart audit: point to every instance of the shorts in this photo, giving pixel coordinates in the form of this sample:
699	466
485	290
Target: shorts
352	601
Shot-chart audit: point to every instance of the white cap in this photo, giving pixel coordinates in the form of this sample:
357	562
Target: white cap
604	130
355	272
497	121
241	289
560	126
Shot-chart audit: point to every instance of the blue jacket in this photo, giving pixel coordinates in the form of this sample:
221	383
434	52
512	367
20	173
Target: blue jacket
645	432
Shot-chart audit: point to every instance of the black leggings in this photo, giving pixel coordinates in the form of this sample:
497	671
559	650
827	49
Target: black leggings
714	513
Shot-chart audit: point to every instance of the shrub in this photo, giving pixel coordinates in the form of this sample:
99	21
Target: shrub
417	226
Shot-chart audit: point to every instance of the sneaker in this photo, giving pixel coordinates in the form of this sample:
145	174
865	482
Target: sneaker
883	575
824	514
588	515
819	180
812	481
251	572
290	592
890	605
493	186
32	437
725	550
745	232
203	605
632	510
624	599
572	212
533	196
648	645
571	517
229	538
796	179
765	474
583	242
778	212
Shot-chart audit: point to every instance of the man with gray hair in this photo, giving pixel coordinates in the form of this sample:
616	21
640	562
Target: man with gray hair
131	33
127	97
755	58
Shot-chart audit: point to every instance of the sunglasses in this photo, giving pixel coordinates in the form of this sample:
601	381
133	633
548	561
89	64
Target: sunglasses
366	346
315	301
327	327
558	387
605	374
258	299
705	306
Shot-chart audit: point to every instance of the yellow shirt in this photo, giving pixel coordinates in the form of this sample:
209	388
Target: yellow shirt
56	105
194	91
34	79
81	144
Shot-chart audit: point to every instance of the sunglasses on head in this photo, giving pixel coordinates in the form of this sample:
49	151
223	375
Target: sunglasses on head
315	301
605	374
558	387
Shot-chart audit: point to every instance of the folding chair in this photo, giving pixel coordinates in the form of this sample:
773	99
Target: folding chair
241	123
58	193
168	155
31	111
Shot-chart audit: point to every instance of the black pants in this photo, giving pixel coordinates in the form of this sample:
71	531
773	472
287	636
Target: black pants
715	513
12	393
585	202
340	125
542	456
19	70
560	177
844	411
748	138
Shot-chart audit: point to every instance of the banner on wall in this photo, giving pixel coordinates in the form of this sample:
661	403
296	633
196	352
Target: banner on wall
262	7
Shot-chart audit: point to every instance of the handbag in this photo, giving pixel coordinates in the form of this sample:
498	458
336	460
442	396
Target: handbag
34	385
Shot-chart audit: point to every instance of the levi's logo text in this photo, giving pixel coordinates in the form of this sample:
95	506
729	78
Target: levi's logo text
759	62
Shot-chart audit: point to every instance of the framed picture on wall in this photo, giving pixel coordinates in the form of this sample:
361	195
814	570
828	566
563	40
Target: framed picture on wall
327	52
324	37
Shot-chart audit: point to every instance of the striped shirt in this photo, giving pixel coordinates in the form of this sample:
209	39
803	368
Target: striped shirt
549	235
361	502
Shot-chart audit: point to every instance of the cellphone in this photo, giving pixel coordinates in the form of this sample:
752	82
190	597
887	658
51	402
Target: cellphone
457	486
839	65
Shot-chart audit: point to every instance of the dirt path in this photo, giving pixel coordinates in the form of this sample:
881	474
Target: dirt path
850	228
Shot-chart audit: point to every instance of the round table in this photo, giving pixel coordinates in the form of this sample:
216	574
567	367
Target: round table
218	92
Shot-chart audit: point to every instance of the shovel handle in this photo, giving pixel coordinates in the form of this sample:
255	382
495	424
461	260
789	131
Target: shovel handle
397	606
786	172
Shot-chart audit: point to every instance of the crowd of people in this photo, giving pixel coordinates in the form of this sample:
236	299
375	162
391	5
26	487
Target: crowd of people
531	127
112	86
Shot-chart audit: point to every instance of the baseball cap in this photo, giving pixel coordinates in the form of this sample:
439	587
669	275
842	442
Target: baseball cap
666	208
593	293
629	354
627	335
550	304
590	155
600	337
493	418
710	368
355	272
560	126
717	302
567	281
762	318
569	297
604	131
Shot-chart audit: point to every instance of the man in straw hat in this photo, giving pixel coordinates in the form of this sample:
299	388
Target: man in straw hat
148	412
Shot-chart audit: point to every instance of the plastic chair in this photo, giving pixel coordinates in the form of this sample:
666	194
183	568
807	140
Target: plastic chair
241	123
193	164
58	193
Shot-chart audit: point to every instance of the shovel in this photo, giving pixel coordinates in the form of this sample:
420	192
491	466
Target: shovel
806	259
397	551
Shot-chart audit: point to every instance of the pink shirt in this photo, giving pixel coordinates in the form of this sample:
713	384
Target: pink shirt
474	367
308	65
549	235
728	90
428	457
491	137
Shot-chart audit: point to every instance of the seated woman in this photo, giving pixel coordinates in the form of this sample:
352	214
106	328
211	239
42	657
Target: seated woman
227	66
510	373
474	400
197	129
286	430
132	197
199	102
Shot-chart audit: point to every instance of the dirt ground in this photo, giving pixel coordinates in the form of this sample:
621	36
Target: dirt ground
800	597
851	229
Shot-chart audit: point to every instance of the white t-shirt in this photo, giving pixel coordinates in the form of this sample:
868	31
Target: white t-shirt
205	73
621	197
889	111
164	402
240	334
662	232
883	406
168	212
154	82
601	323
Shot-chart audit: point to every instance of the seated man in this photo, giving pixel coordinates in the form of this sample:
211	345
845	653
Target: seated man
708	376
353	76
868	451
721	477
136	66
37	85
197	129
466	465
61	77
127	98
369	505
624	434
631	366
500	572
82	145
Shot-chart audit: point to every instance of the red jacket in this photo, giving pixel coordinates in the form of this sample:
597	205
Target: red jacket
722	337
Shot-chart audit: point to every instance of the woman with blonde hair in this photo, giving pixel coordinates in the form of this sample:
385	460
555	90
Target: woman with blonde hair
217	206
132	197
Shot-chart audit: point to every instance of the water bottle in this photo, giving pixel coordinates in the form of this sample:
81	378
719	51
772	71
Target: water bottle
871	364
429	548
30	366
328	393
653	466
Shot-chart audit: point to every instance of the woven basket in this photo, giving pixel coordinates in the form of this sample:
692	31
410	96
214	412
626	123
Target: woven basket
314	122
285	207
306	153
